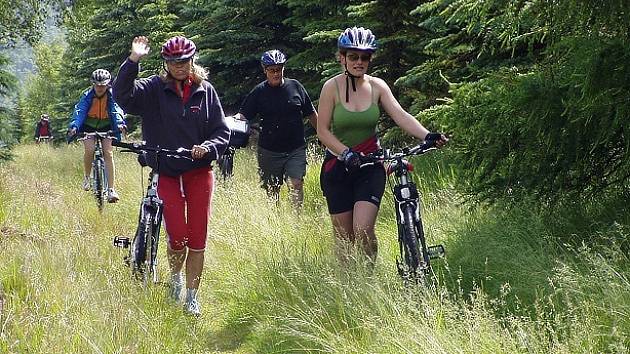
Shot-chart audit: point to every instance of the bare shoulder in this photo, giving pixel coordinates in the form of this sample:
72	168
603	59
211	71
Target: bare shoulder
330	82
329	86
378	82
380	86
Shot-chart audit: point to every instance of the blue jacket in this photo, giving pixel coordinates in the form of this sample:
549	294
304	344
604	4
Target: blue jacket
170	123
82	108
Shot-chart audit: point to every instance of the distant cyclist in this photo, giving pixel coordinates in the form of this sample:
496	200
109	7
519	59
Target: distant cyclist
43	131
348	116
179	108
282	105
96	111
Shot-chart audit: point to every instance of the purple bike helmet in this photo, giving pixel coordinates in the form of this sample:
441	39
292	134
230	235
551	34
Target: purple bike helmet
178	48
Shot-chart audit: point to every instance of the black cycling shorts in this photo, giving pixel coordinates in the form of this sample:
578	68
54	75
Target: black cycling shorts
88	129
342	189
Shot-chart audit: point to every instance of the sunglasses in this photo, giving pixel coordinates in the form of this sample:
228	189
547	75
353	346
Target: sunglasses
274	70
178	61
355	57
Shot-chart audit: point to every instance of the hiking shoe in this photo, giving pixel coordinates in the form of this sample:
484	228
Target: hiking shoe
192	307
86	183
112	196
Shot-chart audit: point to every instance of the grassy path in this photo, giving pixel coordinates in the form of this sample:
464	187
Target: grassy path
272	284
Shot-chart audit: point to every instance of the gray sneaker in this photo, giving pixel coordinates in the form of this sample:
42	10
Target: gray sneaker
192	307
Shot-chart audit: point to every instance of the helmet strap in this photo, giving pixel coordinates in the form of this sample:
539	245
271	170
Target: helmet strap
353	80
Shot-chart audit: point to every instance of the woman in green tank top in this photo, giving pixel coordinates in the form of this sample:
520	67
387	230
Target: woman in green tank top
348	114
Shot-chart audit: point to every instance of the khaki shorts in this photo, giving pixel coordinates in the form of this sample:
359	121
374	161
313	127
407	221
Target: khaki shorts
275	167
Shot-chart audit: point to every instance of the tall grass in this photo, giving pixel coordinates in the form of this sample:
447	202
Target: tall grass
272	284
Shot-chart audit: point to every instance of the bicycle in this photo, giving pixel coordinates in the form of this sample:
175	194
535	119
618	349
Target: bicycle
143	248
239	137
414	254
99	172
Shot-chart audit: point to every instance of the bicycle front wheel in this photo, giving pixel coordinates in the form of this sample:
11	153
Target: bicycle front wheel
155	241
147	265
409	240
98	177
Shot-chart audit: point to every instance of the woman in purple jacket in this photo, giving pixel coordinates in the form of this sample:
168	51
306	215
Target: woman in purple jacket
179	109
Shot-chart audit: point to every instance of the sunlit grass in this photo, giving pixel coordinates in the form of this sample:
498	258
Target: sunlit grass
272	283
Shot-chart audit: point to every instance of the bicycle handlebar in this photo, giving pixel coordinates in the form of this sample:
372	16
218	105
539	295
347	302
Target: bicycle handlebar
392	155
141	148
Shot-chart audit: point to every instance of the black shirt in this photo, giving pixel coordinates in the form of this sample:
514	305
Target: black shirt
282	110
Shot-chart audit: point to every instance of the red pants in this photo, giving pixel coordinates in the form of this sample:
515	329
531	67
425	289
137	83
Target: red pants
187	199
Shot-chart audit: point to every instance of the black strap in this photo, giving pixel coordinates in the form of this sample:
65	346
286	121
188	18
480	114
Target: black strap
354	85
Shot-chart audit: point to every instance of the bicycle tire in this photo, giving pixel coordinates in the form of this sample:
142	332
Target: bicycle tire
155	237
98	172
409	240
147	265
137	249
423	245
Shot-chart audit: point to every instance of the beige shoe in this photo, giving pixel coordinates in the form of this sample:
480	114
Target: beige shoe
86	183
112	196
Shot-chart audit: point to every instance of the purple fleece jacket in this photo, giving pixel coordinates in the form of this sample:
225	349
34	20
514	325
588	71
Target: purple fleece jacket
169	123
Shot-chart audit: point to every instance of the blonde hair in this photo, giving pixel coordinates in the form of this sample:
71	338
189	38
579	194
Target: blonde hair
199	74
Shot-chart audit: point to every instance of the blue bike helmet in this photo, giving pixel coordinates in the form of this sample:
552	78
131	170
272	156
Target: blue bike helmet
273	57
357	38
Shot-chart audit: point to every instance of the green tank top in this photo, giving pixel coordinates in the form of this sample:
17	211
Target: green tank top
353	128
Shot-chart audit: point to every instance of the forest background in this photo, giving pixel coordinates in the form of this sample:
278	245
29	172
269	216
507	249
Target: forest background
535	96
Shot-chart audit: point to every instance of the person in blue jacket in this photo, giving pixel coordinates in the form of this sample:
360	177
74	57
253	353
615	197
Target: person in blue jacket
96	111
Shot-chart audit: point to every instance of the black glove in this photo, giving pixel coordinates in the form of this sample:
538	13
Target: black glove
143	159
351	160
431	138
71	137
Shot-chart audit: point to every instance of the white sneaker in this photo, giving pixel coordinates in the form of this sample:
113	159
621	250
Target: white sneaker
192	307
175	290
112	196
86	183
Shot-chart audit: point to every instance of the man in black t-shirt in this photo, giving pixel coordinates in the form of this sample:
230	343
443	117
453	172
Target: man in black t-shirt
282	105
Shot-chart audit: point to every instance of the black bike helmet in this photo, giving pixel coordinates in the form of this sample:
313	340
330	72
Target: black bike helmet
101	77
273	57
